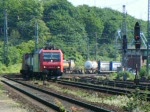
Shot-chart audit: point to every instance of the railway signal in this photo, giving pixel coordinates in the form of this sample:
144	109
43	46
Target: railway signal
137	37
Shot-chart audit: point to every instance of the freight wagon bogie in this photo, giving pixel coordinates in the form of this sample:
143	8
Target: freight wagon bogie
48	74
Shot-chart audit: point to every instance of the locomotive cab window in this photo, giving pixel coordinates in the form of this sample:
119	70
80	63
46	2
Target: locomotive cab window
51	56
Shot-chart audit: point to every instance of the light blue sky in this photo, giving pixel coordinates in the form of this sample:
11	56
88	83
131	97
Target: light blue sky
135	8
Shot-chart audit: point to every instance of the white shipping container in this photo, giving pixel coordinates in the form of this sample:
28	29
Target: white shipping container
114	66
104	66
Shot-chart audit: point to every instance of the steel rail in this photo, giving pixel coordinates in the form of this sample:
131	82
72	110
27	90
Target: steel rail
83	104
122	84
34	97
105	89
99	88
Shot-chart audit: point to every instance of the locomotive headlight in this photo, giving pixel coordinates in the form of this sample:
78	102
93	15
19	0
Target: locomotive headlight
58	67
44	66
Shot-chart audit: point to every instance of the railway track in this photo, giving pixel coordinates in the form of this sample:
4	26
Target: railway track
105	89
49	98
125	84
121	84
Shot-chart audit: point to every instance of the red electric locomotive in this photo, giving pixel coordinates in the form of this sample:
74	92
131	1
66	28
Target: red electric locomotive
46	62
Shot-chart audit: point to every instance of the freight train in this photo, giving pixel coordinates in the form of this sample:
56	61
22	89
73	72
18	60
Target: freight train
47	62
94	67
101	66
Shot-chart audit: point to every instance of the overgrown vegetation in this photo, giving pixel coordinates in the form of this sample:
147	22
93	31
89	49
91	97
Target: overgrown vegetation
10	69
131	102
125	76
137	102
143	73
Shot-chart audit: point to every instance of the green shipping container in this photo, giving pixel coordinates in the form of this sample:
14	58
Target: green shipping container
36	62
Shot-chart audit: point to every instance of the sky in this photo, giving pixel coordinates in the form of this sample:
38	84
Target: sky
135	8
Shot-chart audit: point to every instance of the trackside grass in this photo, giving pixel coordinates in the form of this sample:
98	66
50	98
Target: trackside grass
133	102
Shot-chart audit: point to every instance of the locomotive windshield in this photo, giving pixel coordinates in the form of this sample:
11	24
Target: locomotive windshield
51	56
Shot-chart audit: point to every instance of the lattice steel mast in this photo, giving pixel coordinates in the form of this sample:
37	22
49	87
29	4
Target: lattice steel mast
148	40
5	55
124	34
36	35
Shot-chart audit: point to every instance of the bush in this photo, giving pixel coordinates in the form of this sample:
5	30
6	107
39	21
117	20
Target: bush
129	75
137	102
113	76
10	69
143	72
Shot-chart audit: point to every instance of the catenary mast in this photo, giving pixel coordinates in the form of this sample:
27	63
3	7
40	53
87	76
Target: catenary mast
148	32
5	55
124	37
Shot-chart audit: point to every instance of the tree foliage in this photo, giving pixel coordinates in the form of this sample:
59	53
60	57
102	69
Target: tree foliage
78	31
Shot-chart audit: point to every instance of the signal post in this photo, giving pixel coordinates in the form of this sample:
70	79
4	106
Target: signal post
137	39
